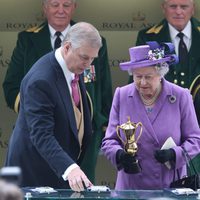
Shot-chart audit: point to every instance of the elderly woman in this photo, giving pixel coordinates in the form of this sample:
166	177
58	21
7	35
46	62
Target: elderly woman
165	111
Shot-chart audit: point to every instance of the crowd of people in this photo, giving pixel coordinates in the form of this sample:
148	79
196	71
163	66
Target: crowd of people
59	83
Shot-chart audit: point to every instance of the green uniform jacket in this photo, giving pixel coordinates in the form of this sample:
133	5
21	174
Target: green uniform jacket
180	75
34	43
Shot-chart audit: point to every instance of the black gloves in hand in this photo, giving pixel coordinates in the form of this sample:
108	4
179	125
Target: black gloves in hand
165	155
127	161
124	159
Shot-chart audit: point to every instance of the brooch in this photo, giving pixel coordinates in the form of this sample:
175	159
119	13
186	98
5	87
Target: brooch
172	99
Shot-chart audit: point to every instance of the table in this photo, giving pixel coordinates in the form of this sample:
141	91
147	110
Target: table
116	195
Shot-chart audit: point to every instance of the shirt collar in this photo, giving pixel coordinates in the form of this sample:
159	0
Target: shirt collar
187	31
69	76
53	31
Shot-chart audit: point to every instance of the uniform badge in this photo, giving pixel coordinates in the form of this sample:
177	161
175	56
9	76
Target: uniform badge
89	74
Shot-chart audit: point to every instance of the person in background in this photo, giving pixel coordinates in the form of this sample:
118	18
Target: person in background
178	19
53	127
164	109
37	41
10	191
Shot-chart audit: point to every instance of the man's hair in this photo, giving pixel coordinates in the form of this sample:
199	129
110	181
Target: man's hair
45	1
83	33
168	0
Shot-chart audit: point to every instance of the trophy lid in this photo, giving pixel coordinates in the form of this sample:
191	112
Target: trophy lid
128	125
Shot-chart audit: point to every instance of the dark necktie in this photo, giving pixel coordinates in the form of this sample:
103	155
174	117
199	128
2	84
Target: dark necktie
57	42
182	50
75	91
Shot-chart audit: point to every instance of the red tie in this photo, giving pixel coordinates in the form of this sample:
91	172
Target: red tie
75	92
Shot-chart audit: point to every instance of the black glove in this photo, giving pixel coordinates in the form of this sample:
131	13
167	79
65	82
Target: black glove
128	162
165	155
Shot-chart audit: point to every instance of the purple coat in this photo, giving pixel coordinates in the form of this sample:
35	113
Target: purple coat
168	118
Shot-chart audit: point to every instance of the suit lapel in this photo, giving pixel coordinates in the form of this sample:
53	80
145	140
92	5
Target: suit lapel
41	40
86	112
66	99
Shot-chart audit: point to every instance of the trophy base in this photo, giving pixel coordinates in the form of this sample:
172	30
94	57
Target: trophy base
134	168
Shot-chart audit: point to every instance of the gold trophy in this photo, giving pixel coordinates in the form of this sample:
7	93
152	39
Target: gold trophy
130	143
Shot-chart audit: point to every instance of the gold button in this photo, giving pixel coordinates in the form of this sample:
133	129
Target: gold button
175	81
182	74
182	82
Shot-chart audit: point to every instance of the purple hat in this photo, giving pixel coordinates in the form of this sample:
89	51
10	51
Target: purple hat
149	55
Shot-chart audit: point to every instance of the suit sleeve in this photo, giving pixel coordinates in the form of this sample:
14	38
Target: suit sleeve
39	105
15	72
106	82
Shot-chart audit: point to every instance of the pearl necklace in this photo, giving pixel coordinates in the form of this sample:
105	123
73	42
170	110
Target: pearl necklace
150	102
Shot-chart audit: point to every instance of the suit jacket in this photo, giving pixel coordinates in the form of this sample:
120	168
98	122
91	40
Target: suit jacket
173	116
45	138
180	75
34	43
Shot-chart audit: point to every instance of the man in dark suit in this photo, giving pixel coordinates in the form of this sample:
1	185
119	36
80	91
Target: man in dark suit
178	18
51	132
37	41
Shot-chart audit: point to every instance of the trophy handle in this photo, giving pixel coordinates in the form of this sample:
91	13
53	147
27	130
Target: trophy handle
117	130
138	124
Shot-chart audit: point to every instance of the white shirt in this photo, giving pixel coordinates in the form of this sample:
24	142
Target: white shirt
53	36
187	31
69	76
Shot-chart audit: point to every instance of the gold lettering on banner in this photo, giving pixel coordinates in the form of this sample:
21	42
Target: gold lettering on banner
120	26
137	22
19	26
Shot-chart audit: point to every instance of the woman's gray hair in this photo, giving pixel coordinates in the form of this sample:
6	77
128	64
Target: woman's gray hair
162	69
83	33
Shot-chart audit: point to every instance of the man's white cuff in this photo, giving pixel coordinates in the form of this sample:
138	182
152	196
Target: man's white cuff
68	170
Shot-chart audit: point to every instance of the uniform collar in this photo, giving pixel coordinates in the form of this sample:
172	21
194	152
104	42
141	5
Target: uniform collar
53	31
187	31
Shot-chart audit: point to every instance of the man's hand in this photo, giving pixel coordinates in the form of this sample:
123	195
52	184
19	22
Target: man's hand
78	180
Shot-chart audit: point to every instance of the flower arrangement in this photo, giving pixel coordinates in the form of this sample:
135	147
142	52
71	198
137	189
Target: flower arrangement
156	54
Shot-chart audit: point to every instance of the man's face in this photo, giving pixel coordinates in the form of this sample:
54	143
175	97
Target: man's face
59	13
79	59
178	12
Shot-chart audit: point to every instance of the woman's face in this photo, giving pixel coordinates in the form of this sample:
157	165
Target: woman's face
146	80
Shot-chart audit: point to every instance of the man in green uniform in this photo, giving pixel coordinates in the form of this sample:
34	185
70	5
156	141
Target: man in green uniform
178	18
37	41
